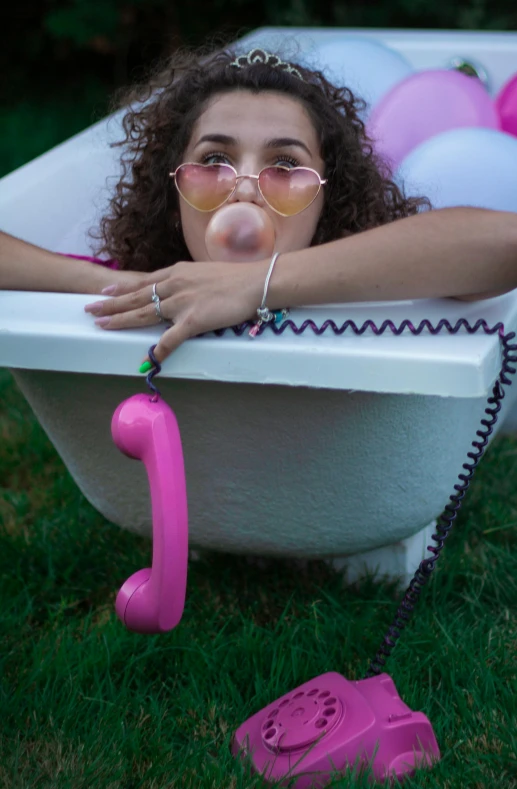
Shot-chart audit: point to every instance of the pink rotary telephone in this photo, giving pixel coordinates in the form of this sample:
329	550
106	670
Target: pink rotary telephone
329	724
152	599
326	723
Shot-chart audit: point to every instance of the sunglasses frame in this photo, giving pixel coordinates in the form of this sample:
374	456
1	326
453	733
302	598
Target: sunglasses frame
322	182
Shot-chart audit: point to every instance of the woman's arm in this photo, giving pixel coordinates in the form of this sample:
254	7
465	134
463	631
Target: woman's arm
464	253
468	253
24	266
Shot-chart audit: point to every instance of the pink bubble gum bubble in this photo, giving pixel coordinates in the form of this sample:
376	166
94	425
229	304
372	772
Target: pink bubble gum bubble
240	232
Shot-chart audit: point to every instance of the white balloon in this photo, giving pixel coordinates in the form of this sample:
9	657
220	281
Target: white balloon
468	166
367	67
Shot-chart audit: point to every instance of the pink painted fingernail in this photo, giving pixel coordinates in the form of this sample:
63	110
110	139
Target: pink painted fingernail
103	321
109	290
94	308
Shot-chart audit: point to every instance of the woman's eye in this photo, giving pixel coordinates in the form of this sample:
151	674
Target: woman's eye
215	158
286	161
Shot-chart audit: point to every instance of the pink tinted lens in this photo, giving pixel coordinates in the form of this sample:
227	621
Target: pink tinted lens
289	191
205	187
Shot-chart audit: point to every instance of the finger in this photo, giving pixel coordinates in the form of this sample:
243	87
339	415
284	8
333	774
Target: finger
133	319
121	304
130	285
169	342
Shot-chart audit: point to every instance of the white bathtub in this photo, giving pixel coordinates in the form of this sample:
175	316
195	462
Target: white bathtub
294	446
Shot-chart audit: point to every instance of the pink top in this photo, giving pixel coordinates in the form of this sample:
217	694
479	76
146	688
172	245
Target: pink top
113	264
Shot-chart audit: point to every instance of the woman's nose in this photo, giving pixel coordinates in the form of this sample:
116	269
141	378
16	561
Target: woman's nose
246	190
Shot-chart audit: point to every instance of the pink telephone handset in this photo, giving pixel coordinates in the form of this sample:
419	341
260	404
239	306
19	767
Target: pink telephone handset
152	599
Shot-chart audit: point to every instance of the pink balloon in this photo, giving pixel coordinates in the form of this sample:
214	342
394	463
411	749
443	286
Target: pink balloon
425	104
506	106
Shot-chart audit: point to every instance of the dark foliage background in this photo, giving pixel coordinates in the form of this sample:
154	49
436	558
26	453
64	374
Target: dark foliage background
61	59
60	39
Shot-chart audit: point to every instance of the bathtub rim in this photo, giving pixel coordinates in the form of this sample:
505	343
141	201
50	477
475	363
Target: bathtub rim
47	331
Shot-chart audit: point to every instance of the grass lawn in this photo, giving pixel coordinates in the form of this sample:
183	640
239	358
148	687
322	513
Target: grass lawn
87	704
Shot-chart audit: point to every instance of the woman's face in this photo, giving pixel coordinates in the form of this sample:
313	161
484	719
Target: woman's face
252	131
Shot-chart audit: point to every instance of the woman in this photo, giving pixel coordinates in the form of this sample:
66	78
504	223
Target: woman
352	237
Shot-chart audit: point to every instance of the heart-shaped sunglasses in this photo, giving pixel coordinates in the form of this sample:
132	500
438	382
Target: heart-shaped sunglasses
286	190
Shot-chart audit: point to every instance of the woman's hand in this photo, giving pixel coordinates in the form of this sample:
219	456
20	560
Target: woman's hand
101	277
195	297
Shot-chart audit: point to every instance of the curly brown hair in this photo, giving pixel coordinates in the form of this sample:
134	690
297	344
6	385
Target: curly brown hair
142	228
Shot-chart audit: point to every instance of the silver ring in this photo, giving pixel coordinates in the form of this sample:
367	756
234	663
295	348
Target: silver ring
156	301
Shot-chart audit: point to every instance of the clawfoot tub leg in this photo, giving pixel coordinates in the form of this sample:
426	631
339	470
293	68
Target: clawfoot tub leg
395	562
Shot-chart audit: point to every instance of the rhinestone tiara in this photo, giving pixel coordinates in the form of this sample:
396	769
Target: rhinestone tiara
266	58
